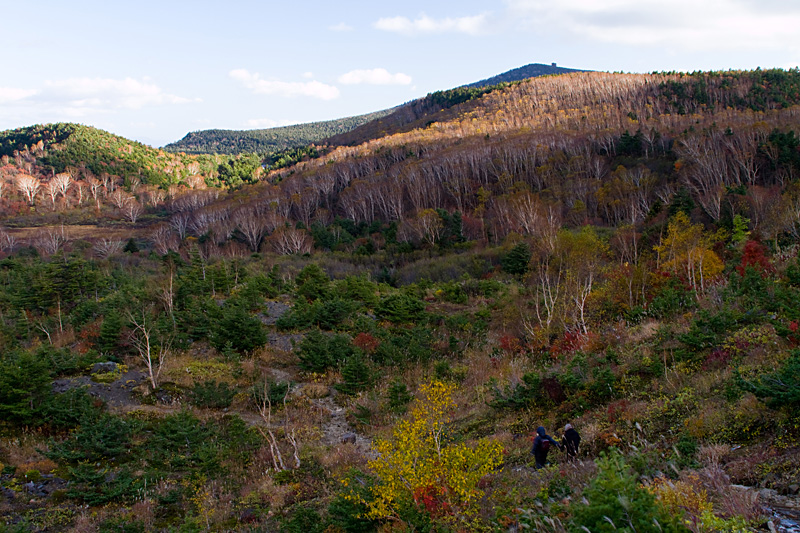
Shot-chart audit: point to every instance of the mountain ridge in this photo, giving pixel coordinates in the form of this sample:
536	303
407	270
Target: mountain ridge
337	131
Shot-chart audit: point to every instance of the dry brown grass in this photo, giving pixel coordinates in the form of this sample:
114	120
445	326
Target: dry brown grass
23	449
82	232
340	458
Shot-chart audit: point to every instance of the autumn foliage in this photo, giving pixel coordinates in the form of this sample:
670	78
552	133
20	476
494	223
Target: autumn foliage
420	462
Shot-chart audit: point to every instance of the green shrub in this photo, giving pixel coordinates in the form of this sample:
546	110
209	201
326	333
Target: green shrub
182	442
234	326
517	260
527	392
98	486
270	391
348	511
400	346
326	314
212	394
781	388
68	410
356	375
122	524
453	292
358	288
66	362
617	502
312	282
708	330
103	438
401	308
303	520
318	352
398	396
331	313
24	385
672	298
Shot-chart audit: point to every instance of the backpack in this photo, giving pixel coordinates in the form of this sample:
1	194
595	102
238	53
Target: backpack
545	445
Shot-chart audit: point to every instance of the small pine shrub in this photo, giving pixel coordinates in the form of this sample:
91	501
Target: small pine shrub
356	375
517	261
616	502
212	394
401	308
318	352
780	389
398	396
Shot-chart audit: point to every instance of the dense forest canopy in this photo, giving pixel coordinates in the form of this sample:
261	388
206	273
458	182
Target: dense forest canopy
270	140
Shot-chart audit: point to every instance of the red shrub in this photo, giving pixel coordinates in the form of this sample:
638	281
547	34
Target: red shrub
615	410
431	498
366	342
717	359
510	344
571	342
754	255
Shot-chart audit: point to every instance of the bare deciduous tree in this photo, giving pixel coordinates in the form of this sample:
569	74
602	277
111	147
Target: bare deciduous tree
164	240
107	247
48	241
7	241
28	185
267	431
132	210
152	349
287	241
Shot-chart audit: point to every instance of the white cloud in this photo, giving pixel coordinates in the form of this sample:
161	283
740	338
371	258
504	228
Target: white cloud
473	25
683	24
375	76
314	89
82	99
107	93
341	27
12	94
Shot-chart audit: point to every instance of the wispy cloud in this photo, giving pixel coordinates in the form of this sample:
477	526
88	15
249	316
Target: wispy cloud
342	26
314	89
473	25
107	93
712	25
77	98
375	76
12	94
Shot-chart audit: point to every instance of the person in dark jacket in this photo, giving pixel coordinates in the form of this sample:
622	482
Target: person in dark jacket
541	447
571	441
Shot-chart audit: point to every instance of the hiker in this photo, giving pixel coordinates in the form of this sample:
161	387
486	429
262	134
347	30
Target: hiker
541	446
571	441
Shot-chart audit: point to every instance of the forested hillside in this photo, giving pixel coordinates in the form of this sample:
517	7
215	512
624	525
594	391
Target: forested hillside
269	140
368	341
75	174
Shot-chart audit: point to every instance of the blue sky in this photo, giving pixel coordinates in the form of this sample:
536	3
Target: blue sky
153	71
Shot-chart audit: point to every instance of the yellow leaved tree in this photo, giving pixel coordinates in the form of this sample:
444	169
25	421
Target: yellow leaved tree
686	251
421	464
